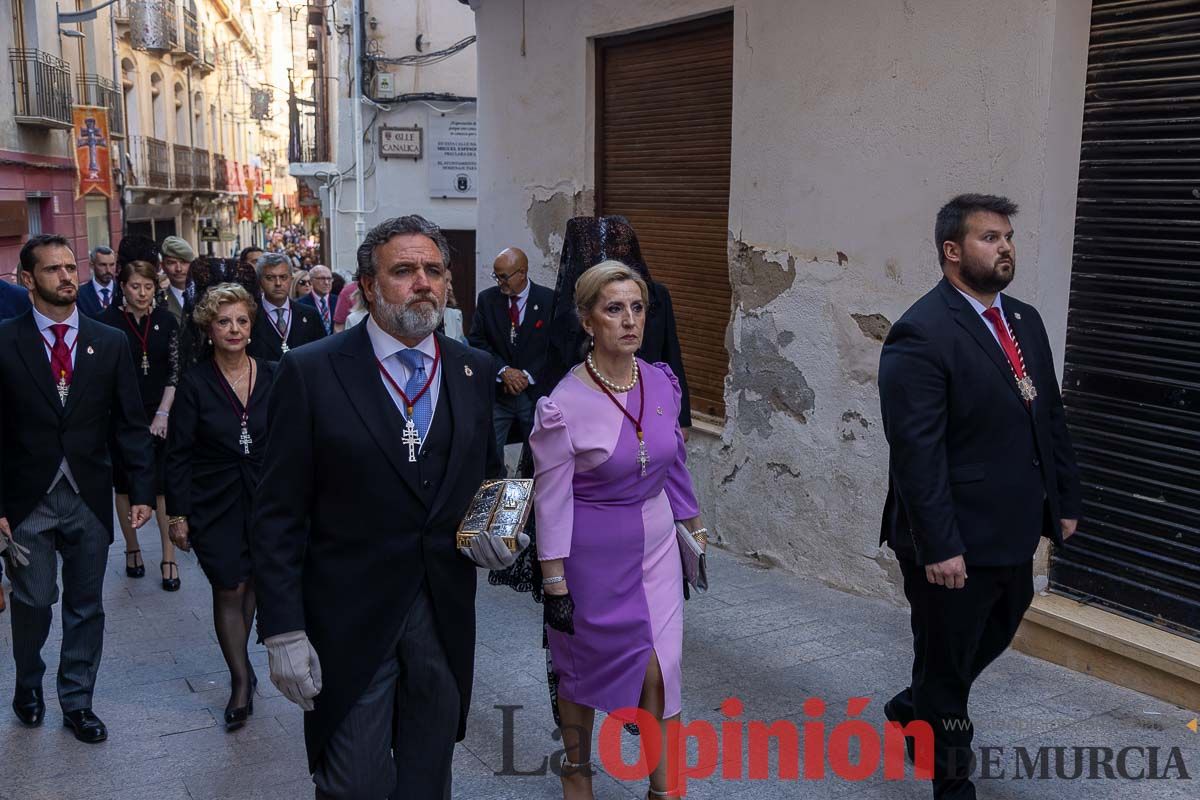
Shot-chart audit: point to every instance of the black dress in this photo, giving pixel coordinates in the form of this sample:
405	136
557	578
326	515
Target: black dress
211	480
160	333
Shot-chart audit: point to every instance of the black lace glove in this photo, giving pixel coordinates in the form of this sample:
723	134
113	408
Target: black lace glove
559	612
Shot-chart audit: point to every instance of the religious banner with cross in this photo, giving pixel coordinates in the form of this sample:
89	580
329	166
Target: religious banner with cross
93	169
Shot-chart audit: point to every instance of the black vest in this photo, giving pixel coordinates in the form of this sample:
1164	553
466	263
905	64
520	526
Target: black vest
427	473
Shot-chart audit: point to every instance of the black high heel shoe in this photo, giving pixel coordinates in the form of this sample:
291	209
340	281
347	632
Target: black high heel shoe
237	717
170	584
137	570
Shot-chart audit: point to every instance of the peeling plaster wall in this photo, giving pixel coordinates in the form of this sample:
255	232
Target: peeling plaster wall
853	122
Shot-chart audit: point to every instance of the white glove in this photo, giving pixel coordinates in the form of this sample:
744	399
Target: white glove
490	551
17	552
295	668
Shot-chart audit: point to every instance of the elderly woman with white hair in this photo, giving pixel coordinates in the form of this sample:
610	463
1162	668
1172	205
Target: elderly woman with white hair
282	324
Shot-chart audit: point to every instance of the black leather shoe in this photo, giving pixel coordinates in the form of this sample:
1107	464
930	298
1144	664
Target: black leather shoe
170	584
86	726
30	706
893	715
138	570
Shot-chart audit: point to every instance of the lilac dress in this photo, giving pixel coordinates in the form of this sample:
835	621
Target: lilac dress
616	532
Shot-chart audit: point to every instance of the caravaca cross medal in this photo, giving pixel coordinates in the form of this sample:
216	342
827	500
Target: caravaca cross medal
411	437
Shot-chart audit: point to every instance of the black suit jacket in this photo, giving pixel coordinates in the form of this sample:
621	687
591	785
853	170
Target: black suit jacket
343	540
88	301
310	300
37	430
14	300
974	471
491	328
265	343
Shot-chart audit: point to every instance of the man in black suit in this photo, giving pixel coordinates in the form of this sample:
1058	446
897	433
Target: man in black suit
68	381
101	291
379	439
322	298
280	324
981	468
512	322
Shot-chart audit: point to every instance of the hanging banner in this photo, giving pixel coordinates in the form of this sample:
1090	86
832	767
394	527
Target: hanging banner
93	169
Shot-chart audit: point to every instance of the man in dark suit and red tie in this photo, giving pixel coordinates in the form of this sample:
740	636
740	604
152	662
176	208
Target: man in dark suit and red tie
512	322
981	469
69	382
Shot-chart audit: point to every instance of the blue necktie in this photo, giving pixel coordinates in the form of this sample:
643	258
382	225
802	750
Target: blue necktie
423	408
104	301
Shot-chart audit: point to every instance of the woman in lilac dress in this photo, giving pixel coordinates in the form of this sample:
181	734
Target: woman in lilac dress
611	481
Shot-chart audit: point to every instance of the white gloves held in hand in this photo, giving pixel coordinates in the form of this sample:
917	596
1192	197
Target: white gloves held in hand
490	551
295	668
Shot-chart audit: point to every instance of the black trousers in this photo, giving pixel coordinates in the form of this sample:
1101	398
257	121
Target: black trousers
956	634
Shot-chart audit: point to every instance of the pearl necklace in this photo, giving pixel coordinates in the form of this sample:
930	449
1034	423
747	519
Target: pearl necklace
612	387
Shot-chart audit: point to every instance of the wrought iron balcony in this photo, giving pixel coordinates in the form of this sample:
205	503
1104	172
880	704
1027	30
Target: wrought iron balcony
96	90
308	136
191	30
220	175
201	168
151	163
41	88
183	167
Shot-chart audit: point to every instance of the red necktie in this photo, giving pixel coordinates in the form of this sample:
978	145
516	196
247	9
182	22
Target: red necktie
514	312
1006	342
60	355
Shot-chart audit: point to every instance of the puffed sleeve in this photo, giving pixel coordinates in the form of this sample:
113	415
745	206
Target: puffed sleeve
680	492
553	476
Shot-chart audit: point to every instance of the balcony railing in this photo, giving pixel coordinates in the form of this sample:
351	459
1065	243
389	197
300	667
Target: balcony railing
201	168
183	167
96	90
172	21
41	88
220	176
151	162
191	30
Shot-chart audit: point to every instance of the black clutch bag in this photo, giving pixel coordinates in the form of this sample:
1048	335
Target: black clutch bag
691	553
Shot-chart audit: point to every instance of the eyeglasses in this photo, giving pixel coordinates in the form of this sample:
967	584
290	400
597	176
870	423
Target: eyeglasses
302	282
498	278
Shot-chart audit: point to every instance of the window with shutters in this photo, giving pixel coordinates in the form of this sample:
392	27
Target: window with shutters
664	119
1132	378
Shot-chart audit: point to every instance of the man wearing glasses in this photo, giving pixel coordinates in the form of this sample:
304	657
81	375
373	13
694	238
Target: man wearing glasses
322	297
280	325
512	322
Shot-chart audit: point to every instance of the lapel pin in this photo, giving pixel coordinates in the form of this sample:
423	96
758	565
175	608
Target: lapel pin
1016	315
90	351
660	411
535	308
467	371
155	327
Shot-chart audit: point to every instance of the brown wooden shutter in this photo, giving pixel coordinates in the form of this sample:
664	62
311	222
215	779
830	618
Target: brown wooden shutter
665	108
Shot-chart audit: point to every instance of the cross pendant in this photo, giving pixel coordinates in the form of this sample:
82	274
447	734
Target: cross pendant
1027	389
642	458
411	439
512	334
245	441
145	364
283	346
63	390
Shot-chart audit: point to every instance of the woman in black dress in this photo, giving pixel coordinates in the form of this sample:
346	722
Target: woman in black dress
153	336
214	453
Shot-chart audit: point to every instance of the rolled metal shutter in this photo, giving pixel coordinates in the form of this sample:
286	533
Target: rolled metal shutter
1132	377
664	118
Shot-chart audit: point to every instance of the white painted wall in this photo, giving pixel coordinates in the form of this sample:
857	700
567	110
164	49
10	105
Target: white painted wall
401	186
853	122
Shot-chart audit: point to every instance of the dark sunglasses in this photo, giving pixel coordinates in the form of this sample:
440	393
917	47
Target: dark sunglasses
302	282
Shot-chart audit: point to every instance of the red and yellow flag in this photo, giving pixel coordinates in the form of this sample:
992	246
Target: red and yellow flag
89	134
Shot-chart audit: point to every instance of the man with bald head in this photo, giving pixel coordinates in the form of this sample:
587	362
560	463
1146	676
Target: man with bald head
512	323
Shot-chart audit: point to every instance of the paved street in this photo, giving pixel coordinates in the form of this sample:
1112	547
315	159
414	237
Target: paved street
770	639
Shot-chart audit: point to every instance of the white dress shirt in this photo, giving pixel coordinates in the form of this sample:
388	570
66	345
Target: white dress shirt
43	324
269	309
980	308
386	347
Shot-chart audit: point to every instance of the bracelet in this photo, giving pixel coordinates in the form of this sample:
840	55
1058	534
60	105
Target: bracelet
553	580
701	535
161	414
173	520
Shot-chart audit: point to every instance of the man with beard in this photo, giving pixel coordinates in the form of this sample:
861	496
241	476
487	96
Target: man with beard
101	291
69	383
379	439
981	468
